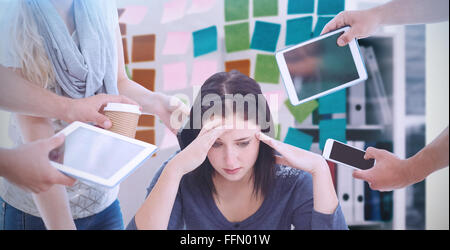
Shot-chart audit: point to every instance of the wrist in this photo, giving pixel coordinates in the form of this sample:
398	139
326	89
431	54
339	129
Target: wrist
64	109
377	15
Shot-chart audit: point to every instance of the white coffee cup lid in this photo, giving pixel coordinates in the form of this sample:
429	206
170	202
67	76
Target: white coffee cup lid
121	107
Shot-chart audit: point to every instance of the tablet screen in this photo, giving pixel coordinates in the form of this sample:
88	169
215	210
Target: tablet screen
319	66
95	153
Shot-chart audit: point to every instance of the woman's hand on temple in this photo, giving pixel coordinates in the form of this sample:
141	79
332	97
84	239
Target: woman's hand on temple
294	157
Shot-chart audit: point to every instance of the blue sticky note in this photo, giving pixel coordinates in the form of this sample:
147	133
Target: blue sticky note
330	7
298	139
333	103
265	36
332	129
300	6
205	41
298	30
321	22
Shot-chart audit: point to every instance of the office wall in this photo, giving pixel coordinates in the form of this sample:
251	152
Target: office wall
437	108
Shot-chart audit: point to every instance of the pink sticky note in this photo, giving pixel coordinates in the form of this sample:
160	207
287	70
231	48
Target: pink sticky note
169	140
274	99
177	43
202	70
173	10
200	6
133	14
174	76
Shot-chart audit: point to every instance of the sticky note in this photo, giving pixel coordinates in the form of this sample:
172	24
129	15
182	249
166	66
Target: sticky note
174	76
277	131
205	41
236	10
177	43
302	111
242	66
202	70
127	70
169	140
201	6
330	7
300	6
147	135
125	50
143	48
333	103
332	129
146	121
263	8
298	30
274	99
265	36
266	69
173	10
298	139
237	37
133	14
145	77
320	24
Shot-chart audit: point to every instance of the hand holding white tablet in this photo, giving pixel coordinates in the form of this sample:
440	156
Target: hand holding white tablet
319	67
99	156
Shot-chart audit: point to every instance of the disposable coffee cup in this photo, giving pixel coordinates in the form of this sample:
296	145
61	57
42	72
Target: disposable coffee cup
124	118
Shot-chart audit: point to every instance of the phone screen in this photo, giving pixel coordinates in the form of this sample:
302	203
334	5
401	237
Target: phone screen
350	156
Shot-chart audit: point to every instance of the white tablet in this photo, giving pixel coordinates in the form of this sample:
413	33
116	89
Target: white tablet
319	67
97	155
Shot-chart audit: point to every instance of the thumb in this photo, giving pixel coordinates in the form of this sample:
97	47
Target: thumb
55	141
102	121
346	37
371	153
60	178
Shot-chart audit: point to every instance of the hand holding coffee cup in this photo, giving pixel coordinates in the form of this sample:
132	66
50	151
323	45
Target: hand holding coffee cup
124	118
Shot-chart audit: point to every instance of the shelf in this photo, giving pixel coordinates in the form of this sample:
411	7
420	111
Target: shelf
354	133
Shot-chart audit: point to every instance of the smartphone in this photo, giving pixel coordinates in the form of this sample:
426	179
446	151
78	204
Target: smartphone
344	154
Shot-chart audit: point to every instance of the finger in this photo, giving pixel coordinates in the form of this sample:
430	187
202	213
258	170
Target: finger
371	153
335	23
60	178
210	125
55	141
347	37
102	121
266	139
362	175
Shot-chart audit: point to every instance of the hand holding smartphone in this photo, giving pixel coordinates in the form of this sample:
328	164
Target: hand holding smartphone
349	156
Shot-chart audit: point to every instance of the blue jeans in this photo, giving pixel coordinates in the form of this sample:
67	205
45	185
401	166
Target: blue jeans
14	219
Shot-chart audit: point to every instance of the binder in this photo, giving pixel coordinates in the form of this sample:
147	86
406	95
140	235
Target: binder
358	190
345	191
378	109
357	104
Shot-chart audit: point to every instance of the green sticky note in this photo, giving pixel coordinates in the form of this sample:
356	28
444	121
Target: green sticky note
237	37
300	6
302	111
127	70
333	103
266	69
330	7
332	129
298	30
265	36
236	10
277	131
298	139
265	8
321	22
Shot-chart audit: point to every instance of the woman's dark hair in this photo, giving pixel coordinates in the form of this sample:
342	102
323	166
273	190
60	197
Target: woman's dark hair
225	86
